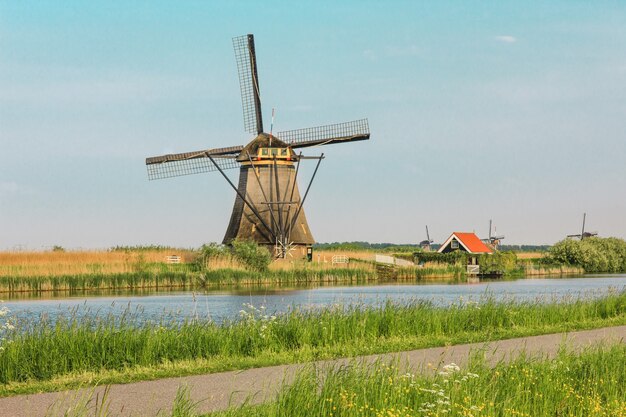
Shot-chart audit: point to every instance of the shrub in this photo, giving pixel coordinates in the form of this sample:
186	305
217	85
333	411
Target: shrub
209	252
498	263
250	254
593	254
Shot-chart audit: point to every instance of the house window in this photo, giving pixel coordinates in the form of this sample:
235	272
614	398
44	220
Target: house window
454	244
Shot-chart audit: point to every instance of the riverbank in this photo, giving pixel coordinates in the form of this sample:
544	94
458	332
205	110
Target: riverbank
80	272
87	351
579	373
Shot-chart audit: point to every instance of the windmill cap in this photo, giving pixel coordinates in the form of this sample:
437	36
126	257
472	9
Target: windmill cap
261	141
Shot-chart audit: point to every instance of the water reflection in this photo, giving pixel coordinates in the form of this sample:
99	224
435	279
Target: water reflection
225	303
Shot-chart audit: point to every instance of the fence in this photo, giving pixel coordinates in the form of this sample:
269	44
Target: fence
172	259
340	259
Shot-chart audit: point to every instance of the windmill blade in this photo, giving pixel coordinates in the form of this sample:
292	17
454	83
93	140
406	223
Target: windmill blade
245	56
188	163
326	135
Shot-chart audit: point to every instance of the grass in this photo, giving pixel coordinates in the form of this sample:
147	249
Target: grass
75	272
74	352
592	383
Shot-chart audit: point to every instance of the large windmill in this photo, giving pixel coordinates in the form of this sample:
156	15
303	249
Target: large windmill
583	234
268	206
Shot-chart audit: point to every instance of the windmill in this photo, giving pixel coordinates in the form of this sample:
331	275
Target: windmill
494	240
583	234
268	206
425	244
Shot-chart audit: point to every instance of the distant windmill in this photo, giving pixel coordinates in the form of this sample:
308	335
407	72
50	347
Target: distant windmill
268	206
494	240
425	244
584	235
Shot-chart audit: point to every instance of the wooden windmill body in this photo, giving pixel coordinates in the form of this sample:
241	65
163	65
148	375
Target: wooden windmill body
268	207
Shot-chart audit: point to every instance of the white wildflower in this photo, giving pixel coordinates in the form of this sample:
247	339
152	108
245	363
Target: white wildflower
451	367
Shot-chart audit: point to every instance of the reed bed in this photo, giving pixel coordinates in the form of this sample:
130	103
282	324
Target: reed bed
180	276
131	347
592	383
43	264
535	270
286	276
98	281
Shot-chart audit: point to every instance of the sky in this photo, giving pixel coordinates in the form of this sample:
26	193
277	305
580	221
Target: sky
511	111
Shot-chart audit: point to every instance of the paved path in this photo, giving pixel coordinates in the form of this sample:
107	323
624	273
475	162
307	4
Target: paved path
217	391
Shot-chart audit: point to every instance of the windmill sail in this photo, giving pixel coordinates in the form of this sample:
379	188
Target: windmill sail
325	135
268	208
188	163
245	56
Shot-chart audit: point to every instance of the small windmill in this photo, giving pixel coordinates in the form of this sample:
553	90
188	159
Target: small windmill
268	206
494	240
584	235
425	244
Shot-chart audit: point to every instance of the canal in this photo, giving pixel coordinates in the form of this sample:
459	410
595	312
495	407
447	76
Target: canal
226	303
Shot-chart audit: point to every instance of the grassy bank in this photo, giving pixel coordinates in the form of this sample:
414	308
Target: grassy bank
85	271
173	276
78	352
592	383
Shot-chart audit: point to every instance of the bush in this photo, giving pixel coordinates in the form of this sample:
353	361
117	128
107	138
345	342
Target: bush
498	263
593	254
450	258
250	254
210	252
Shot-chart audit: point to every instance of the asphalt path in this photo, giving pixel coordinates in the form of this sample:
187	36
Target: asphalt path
220	390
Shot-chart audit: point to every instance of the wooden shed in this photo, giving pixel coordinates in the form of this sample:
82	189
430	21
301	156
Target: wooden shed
466	242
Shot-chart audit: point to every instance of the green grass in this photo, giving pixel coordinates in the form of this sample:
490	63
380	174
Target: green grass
75	352
178	276
97	281
589	384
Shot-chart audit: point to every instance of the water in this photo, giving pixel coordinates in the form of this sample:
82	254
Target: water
226	304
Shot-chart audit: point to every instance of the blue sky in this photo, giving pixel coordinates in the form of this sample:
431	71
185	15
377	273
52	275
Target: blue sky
511	111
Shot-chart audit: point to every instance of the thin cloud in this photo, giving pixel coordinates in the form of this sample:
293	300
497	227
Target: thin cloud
8	187
506	38
370	55
408	50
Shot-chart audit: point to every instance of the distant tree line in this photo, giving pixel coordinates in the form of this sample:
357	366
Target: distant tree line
357	246
524	248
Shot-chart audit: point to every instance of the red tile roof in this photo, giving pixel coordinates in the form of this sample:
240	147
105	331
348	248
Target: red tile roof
472	242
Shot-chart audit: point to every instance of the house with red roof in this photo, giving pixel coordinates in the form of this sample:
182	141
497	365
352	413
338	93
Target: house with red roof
466	242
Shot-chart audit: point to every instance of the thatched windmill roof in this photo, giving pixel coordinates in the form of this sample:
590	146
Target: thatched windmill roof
261	141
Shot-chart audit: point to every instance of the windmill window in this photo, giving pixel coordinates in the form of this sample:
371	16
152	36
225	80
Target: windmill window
274	152
264	152
283	152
